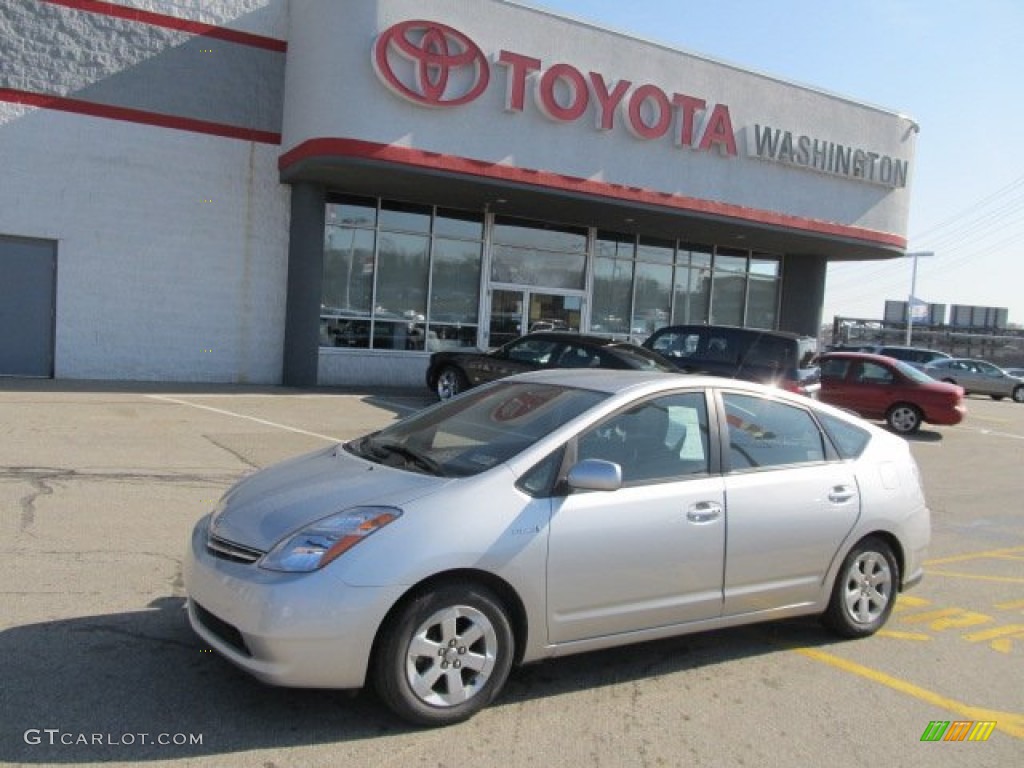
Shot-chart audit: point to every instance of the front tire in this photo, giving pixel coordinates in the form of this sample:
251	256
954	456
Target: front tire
444	656
450	382
865	590
904	418
1018	394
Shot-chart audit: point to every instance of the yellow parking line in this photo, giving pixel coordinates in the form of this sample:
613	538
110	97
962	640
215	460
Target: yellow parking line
975	556
1008	722
976	576
1012	605
897	635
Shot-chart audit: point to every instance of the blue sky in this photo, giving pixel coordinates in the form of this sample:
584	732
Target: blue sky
954	66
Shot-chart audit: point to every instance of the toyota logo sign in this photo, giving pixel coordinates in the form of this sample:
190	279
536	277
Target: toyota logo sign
430	64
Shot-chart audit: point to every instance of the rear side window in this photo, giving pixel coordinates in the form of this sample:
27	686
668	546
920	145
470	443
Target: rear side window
834	369
766	433
772	352
849	439
676	344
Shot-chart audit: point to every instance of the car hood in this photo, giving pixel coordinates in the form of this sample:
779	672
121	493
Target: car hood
267	506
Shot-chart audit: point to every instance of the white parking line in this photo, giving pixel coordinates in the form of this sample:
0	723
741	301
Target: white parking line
225	412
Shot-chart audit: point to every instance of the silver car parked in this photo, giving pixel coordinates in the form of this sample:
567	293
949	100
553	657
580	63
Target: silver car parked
548	514
978	377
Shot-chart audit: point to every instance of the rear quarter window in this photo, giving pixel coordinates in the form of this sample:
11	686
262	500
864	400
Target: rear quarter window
849	440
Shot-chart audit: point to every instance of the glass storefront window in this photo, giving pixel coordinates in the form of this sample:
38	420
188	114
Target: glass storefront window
652	299
529	266
403	217
454	293
659	251
762	302
538	235
613	285
693	284
348	271
466	226
346	211
403	269
728	287
389	285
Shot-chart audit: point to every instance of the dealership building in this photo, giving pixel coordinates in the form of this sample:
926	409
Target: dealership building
321	192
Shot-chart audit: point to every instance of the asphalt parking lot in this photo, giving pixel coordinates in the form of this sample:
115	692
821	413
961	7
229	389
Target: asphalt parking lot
101	484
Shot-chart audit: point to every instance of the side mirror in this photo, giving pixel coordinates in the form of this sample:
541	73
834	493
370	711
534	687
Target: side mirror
595	475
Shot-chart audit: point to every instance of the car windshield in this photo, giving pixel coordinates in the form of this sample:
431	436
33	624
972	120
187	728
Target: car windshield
476	431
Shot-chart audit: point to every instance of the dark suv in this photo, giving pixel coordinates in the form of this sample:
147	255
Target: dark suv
770	357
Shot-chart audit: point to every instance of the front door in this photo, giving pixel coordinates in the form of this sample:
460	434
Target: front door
515	312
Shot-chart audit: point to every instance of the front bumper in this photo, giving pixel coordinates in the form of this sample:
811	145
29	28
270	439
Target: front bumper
308	630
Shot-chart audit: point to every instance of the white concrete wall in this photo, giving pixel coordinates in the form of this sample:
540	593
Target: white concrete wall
172	245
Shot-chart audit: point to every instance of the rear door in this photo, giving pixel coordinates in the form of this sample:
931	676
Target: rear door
790	508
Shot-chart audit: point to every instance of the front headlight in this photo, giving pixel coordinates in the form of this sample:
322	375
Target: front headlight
319	543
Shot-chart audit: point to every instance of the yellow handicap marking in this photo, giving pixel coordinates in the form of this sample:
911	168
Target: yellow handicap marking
1001	637
947	618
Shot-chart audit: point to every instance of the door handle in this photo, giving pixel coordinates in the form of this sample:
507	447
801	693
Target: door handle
841	494
704	512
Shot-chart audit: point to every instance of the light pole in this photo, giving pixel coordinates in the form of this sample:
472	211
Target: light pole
915	255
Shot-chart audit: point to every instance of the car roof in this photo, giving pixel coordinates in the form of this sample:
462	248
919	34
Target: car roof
761	331
619	381
867	356
569	336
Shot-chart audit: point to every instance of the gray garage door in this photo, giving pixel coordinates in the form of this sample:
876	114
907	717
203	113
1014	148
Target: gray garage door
28	276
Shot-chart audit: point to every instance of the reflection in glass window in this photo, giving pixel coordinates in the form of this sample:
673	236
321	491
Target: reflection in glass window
729	287
404	217
347	211
613	285
403	269
539	235
387	287
529	266
692	285
460	224
455	289
348	271
762	302
652	302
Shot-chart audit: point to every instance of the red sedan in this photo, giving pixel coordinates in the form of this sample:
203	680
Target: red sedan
878	387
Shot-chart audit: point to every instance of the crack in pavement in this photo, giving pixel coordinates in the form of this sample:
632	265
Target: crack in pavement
44	479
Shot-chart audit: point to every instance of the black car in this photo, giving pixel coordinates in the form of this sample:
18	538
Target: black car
786	360
453	371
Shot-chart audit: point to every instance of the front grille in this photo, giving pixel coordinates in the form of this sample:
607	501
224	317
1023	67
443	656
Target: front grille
228	550
226	632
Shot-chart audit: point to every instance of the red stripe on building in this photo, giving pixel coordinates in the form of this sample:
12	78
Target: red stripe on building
317	148
173	22
79	107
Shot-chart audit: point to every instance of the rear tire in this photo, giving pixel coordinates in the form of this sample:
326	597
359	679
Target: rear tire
864	591
1018	394
450	382
904	418
444	655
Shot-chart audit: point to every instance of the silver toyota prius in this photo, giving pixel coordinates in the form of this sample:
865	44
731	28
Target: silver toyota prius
548	514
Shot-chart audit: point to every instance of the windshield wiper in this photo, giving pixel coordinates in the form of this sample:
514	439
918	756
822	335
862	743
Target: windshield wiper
411	456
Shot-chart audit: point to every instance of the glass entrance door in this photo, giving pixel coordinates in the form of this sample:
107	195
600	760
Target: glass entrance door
515	312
